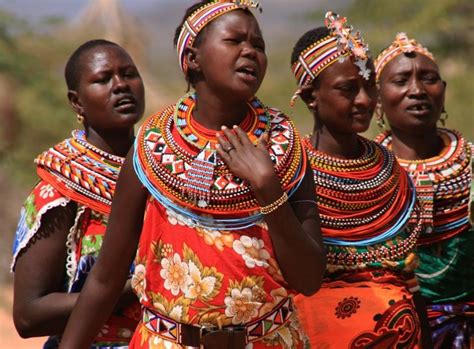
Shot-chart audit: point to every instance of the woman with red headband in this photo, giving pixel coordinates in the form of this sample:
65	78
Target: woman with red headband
369	216
218	197
439	160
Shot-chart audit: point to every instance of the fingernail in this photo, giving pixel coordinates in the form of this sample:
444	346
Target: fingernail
218	134
235	126
223	128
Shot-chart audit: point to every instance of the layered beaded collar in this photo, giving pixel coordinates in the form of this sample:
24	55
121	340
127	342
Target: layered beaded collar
361	201
443	185
176	160
81	172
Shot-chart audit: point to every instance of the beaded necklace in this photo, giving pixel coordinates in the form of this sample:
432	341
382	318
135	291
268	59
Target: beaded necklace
443	185
361	201
170	143
80	171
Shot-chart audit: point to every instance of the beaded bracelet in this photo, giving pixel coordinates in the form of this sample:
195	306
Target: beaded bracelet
274	205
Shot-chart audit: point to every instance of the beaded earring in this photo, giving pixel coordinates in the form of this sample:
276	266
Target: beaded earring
80	118
444	116
379	115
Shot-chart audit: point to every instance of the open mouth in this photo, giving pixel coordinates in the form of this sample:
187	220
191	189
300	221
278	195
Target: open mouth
419	107
249	71
124	101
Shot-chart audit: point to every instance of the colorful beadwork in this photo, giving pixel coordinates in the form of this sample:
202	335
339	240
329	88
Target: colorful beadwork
203	16
173	151
365	205
80	171
339	44
443	184
401	44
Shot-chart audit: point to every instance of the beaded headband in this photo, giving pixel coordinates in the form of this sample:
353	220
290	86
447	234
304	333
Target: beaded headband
339	44
401	44
203	16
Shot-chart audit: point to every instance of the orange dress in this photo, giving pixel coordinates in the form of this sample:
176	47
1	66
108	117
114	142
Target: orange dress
370	227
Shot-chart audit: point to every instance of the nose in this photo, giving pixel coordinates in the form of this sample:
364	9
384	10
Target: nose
120	83
248	50
416	88
364	99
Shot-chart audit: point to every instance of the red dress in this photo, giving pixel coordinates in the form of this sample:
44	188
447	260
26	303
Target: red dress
74	170
188	271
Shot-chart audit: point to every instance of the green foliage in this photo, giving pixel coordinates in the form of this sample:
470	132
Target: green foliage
42	116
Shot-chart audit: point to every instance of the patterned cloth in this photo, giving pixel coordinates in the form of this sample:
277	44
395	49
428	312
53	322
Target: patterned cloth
446	272
59	167
364	301
202	275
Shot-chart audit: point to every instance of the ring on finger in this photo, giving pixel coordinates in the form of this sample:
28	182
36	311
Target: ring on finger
229	148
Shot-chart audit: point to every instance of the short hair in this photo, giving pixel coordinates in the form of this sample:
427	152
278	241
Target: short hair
308	38
74	64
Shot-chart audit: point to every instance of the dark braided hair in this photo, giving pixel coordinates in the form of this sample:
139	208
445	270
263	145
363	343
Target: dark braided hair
74	65
308	38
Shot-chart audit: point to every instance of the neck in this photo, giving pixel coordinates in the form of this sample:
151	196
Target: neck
416	147
342	146
116	142
213	112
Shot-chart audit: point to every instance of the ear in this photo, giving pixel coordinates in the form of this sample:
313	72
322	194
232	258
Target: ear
191	58
75	102
308	95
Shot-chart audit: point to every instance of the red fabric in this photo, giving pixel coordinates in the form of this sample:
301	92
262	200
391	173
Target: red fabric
213	282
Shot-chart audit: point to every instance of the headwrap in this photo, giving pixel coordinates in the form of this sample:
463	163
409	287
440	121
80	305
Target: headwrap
401	44
203	16
339	44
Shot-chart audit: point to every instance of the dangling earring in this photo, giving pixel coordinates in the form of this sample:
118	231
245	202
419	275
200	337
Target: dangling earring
295	97
380	119
80	118
444	116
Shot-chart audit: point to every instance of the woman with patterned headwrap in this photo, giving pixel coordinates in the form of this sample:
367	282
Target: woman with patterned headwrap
439	160
219	198
64	218
370	219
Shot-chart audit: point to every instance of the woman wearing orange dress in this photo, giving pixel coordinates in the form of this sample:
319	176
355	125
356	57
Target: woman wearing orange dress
369	216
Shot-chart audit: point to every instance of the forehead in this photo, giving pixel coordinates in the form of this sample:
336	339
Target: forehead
237	20
344	70
408	62
103	55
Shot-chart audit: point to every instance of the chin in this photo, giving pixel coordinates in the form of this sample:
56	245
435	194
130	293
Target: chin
360	127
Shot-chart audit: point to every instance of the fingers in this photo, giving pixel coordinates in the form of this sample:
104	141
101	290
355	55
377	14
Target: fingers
262	141
232	138
223	154
223	142
242	136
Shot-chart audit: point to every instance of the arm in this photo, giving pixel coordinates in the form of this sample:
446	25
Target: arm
40	306
104	284
294	228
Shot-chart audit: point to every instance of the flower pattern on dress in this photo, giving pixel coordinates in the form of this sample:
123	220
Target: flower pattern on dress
240	306
47	191
139	282
200	287
252	251
176	274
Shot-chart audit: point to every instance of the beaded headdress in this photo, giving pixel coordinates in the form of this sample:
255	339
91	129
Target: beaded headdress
401	44
203	16
340	43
